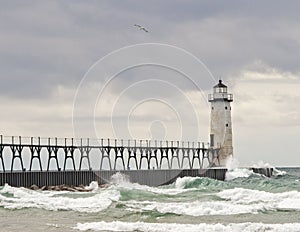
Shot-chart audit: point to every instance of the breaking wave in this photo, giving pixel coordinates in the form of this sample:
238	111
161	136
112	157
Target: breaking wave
173	227
238	173
227	202
196	208
121	182
271	201
188	182
18	198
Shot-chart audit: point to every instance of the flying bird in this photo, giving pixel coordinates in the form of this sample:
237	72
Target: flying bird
141	27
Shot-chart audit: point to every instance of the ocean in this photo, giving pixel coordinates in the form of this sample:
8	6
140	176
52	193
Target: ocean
244	202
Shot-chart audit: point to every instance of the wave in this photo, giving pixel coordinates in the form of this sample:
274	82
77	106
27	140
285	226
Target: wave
195	208
226	202
18	198
271	201
242	178
278	172
238	173
173	227
120	181
189	182
192	196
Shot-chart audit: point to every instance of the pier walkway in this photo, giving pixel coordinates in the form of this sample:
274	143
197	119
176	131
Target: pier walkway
104	154
26	161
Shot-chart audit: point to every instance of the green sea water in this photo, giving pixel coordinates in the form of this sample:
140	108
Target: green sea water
244	202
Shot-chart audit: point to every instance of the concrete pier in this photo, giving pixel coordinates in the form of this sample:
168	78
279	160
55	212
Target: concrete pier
144	177
51	161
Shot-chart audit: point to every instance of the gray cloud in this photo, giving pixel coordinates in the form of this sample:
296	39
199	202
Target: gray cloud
55	42
47	47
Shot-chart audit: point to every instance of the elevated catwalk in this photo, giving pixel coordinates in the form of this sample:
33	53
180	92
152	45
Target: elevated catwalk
27	161
118	154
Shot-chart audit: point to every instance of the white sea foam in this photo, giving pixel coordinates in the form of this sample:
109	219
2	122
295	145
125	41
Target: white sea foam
262	164
181	182
93	186
233	170
237	173
173	227
196	208
272	201
277	172
232	163
238	201
121	181
158	190
26	198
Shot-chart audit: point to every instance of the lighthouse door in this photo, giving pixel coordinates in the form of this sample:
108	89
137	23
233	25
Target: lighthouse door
211	140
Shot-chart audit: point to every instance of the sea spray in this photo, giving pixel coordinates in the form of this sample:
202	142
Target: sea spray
119	179
232	163
262	164
233	170
238	173
93	186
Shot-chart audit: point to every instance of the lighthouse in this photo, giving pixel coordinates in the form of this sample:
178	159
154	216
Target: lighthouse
220	122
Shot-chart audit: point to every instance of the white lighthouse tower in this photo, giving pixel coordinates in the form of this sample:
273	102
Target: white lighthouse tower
220	124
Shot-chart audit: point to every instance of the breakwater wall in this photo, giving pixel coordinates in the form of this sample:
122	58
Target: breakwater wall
144	177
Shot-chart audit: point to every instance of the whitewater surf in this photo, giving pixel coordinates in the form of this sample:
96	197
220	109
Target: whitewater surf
244	202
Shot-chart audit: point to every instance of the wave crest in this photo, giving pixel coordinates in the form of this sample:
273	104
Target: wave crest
173	227
189	182
18	198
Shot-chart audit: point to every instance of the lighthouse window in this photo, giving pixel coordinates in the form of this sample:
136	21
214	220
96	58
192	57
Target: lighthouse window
225	107
226	124
212	107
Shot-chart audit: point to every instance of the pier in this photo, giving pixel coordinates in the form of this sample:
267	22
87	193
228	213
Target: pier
25	161
119	154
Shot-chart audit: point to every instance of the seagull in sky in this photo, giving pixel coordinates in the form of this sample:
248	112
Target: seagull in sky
141	27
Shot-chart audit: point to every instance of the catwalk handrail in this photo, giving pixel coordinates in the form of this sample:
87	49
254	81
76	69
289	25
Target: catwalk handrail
83	142
111	149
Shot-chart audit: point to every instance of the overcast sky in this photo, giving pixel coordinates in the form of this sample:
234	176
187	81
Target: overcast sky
54	83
